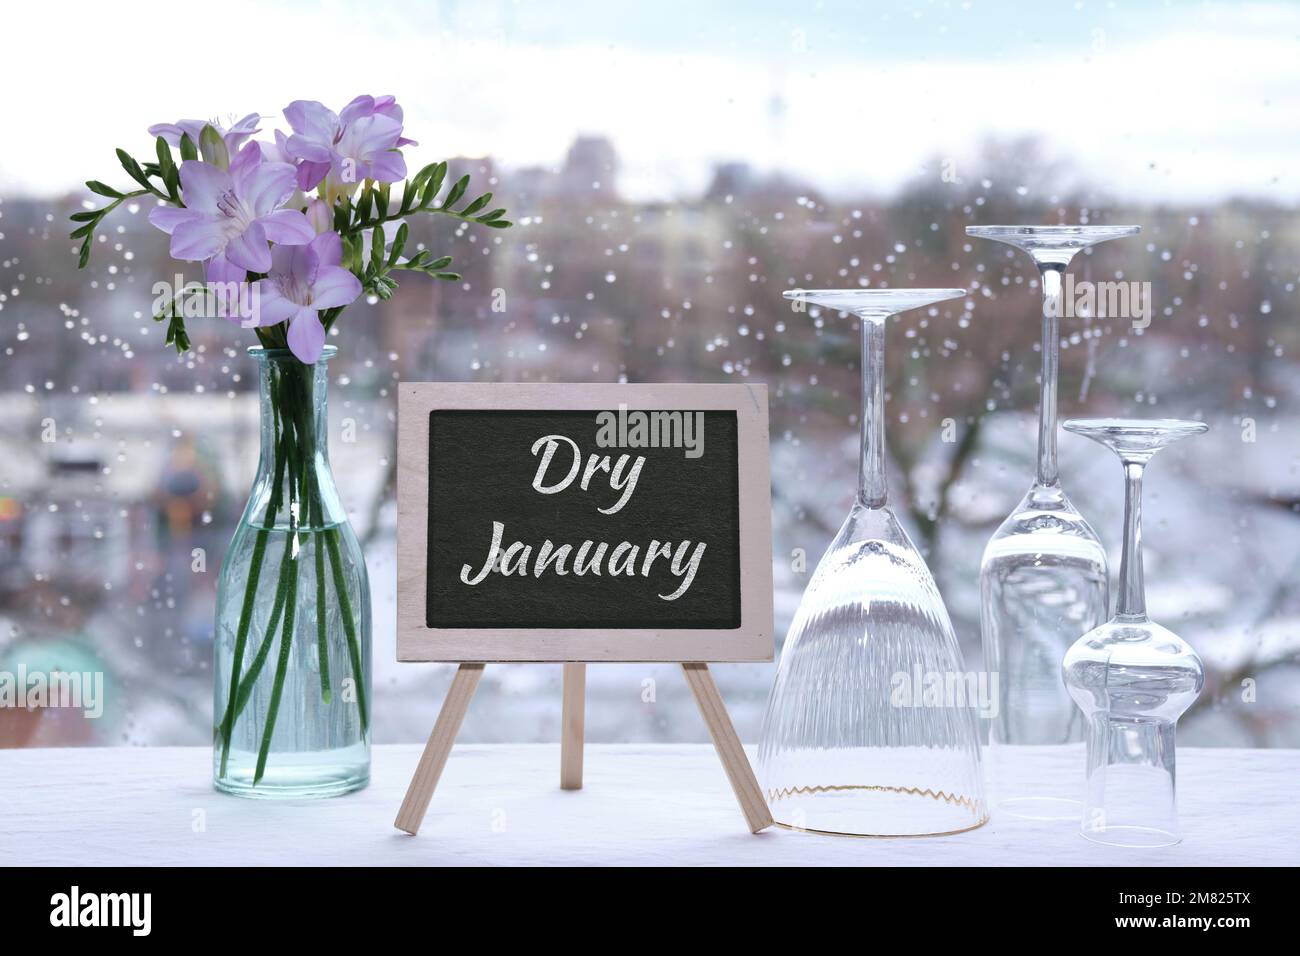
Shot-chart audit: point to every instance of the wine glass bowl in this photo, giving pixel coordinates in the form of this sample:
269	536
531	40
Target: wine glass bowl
1042	583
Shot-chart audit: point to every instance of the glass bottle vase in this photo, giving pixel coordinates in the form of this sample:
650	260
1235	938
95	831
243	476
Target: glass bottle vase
293	610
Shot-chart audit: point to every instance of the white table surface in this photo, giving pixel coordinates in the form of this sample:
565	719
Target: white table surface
501	805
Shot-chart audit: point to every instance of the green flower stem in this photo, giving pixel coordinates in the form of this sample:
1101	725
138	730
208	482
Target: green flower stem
316	514
246	612
255	668
349	625
322	645
241	639
298	467
250	592
331	535
366	225
281	667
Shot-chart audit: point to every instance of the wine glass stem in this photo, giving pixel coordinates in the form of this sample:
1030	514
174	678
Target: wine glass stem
1132	595
872	490
1050	274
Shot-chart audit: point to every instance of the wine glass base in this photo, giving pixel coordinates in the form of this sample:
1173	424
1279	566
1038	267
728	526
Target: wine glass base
876	812
1132	836
1041	808
876	836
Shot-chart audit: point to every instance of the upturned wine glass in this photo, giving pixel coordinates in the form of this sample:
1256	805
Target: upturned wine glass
851	743
1132	678
1042	578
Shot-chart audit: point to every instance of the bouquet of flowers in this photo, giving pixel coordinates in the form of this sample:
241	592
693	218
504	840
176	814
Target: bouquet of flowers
245	209
291	230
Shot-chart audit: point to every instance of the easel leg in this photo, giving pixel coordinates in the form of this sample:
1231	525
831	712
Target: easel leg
436	751
571	729
730	751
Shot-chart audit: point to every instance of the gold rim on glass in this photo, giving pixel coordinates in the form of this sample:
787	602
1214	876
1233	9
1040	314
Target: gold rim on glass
774	795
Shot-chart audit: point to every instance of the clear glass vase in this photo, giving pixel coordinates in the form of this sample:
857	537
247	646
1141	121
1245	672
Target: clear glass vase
1043	579
293	610
1132	678
854	742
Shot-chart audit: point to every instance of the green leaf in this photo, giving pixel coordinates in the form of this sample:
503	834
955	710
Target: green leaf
84	231
456	192
488	218
477	204
399	243
176	334
213	148
381	200
87	215
423	176
449	276
434	184
99	189
167	169
188	149
499	224
133	169
377	249
164	155
352	253
415	185
85	254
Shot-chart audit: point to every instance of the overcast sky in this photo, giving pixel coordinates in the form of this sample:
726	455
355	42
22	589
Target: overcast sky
1148	99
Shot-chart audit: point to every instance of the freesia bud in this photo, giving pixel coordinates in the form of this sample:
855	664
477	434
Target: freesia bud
319	215
213	148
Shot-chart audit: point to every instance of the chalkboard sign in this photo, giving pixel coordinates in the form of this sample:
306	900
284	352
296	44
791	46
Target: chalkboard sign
544	522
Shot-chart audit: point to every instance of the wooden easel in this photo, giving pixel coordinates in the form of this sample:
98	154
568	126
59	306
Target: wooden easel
712	709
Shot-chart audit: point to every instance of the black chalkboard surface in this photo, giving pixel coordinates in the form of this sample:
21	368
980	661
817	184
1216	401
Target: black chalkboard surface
570	519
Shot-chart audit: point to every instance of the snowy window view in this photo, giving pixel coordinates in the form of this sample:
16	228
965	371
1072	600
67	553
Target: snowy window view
671	170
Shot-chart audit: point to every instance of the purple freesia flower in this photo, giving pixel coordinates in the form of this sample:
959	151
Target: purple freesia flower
229	216
302	281
375	105
277	152
234	137
359	143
